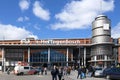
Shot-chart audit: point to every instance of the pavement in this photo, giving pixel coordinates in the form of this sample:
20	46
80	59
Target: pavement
72	76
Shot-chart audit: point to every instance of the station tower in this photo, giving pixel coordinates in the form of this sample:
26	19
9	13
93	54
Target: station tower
101	50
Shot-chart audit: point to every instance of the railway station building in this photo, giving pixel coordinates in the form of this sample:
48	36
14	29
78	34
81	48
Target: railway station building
99	50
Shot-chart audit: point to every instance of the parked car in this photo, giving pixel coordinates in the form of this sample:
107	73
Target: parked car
98	72
38	70
20	70
32	71
112	73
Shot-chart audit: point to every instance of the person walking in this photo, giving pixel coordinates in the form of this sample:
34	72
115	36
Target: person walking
42	70
79	73
83	72
54	73
90	71
8	70
45	69
60	73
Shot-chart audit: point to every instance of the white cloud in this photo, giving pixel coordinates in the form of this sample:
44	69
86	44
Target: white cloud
24	4
10	32
26	18
40	12
80	14
37	26
22	19
116	31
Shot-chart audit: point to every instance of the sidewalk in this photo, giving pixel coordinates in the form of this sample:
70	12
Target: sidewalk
73	76
1	72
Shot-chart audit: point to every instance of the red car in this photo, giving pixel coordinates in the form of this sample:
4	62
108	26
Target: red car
31	72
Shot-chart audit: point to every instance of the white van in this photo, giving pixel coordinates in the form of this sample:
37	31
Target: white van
20	70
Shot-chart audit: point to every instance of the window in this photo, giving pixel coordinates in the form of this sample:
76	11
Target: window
26	67
100	57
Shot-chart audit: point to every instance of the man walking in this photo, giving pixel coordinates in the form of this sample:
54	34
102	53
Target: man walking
8	70
54	73
79	73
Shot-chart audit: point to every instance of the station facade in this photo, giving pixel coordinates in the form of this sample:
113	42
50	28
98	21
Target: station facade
61	52
100	49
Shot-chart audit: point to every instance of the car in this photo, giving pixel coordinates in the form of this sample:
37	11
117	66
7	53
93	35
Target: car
20	70
98	72
112	73
38	70
32	71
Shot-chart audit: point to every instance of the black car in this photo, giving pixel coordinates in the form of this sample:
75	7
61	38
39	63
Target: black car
112	73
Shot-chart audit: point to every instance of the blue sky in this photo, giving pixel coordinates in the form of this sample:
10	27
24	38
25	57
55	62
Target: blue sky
46	19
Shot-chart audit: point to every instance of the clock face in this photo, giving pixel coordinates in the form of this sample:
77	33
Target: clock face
106	26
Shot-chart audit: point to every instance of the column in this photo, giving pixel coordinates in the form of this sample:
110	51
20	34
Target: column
48	55
84	56
105	58
82	61
3	60
67	56
29	56
72	55
118	55
95	59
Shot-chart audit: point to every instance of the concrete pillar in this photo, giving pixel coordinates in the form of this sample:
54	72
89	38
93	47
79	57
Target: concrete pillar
48	55
82	60
95	59
84	56
72	55
67	56
105	63
3	60
29	55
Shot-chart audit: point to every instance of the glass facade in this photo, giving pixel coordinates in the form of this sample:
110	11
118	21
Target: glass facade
56	56
39	56
67	56
14	54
